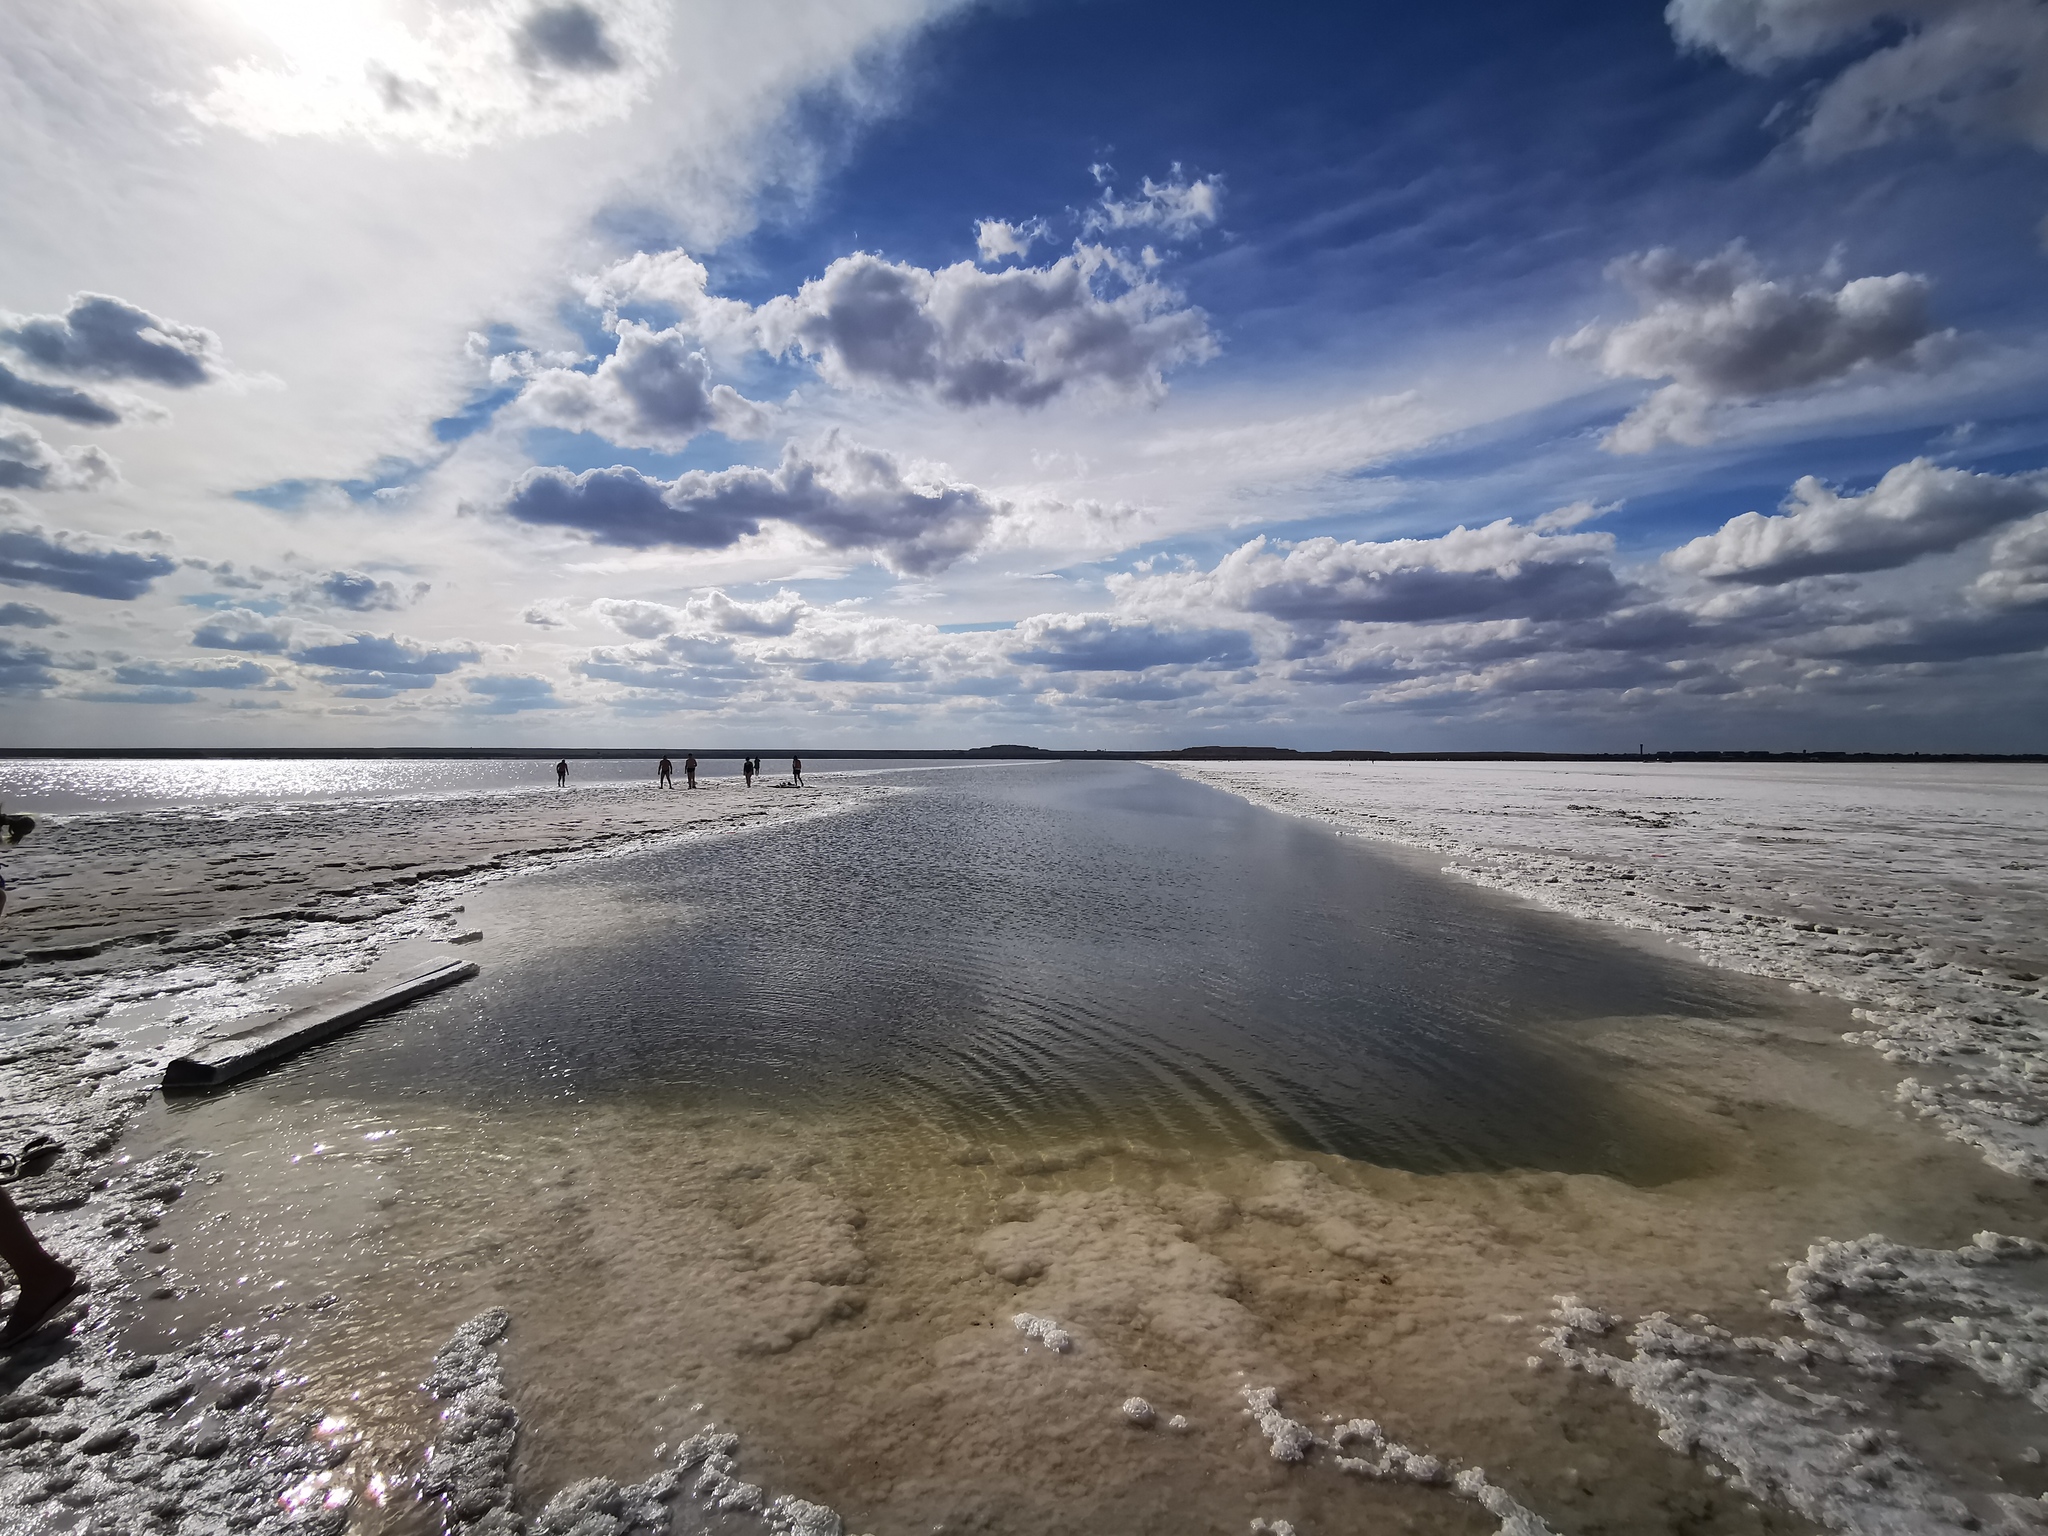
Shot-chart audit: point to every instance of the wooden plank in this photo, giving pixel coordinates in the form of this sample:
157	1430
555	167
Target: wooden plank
237	1055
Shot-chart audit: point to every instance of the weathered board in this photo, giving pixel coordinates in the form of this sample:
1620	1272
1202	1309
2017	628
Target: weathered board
237	1055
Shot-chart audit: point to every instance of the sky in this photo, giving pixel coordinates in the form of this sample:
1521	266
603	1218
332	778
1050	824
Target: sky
1560	375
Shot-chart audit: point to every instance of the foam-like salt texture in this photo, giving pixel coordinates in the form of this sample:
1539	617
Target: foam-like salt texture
1388	1460
1882	1322
1916	894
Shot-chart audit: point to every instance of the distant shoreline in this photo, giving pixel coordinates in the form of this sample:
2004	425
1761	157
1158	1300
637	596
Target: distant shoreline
989	754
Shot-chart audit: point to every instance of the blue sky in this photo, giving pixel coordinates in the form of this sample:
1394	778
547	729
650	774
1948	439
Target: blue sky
1092	373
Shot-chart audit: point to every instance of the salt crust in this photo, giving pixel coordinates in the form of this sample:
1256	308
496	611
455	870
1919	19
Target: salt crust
469	1465
1047	1332
1979	1308
186	1439
68	1070
1388	1460
1916	894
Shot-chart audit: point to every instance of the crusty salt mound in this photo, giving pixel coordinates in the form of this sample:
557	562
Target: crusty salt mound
1045	1330
1828	1441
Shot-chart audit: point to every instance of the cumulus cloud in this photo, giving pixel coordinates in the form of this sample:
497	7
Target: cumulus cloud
238	629
844	496
192	674
363	652
24	668
25	616
102	337
1019	336
1101	642
1721	331
27	463
708	611
508	694
31	555
1176	208
654	391
1973	68
59	400
1918	508
999	240
1503	570
362	594
674	664
2018	577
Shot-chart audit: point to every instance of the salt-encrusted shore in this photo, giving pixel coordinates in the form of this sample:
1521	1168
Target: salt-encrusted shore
130	935
1919	895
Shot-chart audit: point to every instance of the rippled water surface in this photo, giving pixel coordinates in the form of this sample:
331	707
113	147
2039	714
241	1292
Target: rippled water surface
787	1125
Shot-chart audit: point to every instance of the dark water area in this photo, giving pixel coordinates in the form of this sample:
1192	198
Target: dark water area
1010	955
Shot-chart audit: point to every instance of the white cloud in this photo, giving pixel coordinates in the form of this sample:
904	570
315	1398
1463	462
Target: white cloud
1721	332
1018	337
843	496
1918	508
27	463
998	239
1974	68
1503	570
2018	577
1176	207
654	391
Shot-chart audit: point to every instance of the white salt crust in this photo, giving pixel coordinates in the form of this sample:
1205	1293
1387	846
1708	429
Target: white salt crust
1916	894
469	1466
1047	1332
1387	1460
1827	1440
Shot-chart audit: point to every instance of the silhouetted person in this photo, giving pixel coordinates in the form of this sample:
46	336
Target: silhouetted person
747	771
664	774
45	1280
690	770
796	769
562	774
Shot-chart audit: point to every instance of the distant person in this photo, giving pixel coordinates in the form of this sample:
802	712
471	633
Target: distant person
46	1281
690	770
747	771
12	830
562	774
664	774
796	771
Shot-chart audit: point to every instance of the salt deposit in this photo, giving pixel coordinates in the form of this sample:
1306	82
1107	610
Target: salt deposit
1915	893
1046	1331
1139	1412
1882	1324
1387	1461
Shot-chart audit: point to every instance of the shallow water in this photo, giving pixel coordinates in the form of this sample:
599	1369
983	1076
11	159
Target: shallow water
790	1124
68	786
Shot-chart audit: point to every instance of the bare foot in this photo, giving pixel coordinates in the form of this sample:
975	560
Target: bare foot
41	1295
